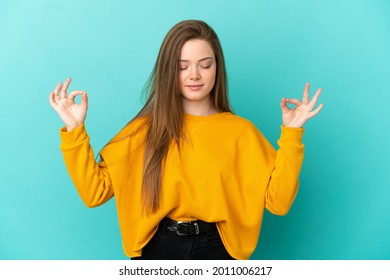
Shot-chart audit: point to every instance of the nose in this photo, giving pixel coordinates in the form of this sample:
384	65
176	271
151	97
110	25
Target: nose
194	74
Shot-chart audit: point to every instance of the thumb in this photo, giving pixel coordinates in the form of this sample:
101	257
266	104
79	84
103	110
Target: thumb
283	106
84	99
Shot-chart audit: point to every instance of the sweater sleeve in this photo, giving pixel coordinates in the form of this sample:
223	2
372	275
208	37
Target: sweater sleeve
91	179
283	184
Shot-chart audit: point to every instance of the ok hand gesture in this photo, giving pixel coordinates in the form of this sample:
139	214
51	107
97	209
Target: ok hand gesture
72	114
297	116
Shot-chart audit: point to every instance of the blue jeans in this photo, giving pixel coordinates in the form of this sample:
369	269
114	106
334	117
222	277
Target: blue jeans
168	245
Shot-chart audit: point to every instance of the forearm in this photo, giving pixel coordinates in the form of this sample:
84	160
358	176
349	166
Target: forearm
283	184
91	179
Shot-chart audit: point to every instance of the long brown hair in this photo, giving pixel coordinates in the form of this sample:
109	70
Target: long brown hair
163	110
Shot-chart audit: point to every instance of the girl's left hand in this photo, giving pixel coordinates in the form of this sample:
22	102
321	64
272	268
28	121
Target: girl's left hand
296	117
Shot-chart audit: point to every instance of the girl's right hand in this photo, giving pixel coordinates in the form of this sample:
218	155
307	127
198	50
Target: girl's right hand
72	114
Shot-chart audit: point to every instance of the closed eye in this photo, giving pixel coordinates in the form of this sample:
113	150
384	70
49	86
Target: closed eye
206	66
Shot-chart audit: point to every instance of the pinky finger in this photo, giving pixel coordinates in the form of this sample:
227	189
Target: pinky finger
316	111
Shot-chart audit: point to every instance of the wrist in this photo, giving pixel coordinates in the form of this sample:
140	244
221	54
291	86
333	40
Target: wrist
69	128
293	124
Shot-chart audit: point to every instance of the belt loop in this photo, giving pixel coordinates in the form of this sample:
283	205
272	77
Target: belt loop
196	228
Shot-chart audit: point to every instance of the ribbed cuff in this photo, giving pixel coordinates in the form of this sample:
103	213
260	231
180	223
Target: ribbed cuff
292	134
77	135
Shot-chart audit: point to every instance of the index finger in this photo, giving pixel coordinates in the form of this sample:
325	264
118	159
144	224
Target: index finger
65	88
305	99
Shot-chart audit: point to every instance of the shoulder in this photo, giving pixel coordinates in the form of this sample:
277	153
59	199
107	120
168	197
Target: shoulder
128	139
244	130
133	128
238	123
249	141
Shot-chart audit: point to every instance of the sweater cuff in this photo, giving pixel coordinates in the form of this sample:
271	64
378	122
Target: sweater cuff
77	135
291	134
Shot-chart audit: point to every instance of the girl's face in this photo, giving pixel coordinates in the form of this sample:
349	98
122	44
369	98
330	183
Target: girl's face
197	76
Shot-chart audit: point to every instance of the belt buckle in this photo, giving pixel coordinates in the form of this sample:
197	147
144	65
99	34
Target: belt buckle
181	223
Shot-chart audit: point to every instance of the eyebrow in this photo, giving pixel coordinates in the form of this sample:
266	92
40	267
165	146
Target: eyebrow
203	59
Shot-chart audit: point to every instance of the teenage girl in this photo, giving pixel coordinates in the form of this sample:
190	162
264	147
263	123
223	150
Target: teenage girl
191	179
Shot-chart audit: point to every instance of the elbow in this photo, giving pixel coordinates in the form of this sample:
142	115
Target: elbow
90	203
95	201
279	203
279	208
282	211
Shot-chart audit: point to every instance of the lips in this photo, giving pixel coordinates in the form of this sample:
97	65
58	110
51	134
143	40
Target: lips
195	87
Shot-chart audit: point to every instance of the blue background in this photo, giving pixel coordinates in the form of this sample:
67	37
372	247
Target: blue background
272	49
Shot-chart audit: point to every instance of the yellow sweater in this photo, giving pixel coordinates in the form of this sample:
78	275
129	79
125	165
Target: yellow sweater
227	173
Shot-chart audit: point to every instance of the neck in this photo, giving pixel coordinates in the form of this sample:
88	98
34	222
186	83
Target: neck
198	108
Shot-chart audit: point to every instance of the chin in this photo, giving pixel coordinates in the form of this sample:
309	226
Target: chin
195	98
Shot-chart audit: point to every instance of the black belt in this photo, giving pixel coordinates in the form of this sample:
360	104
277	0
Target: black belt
187	228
